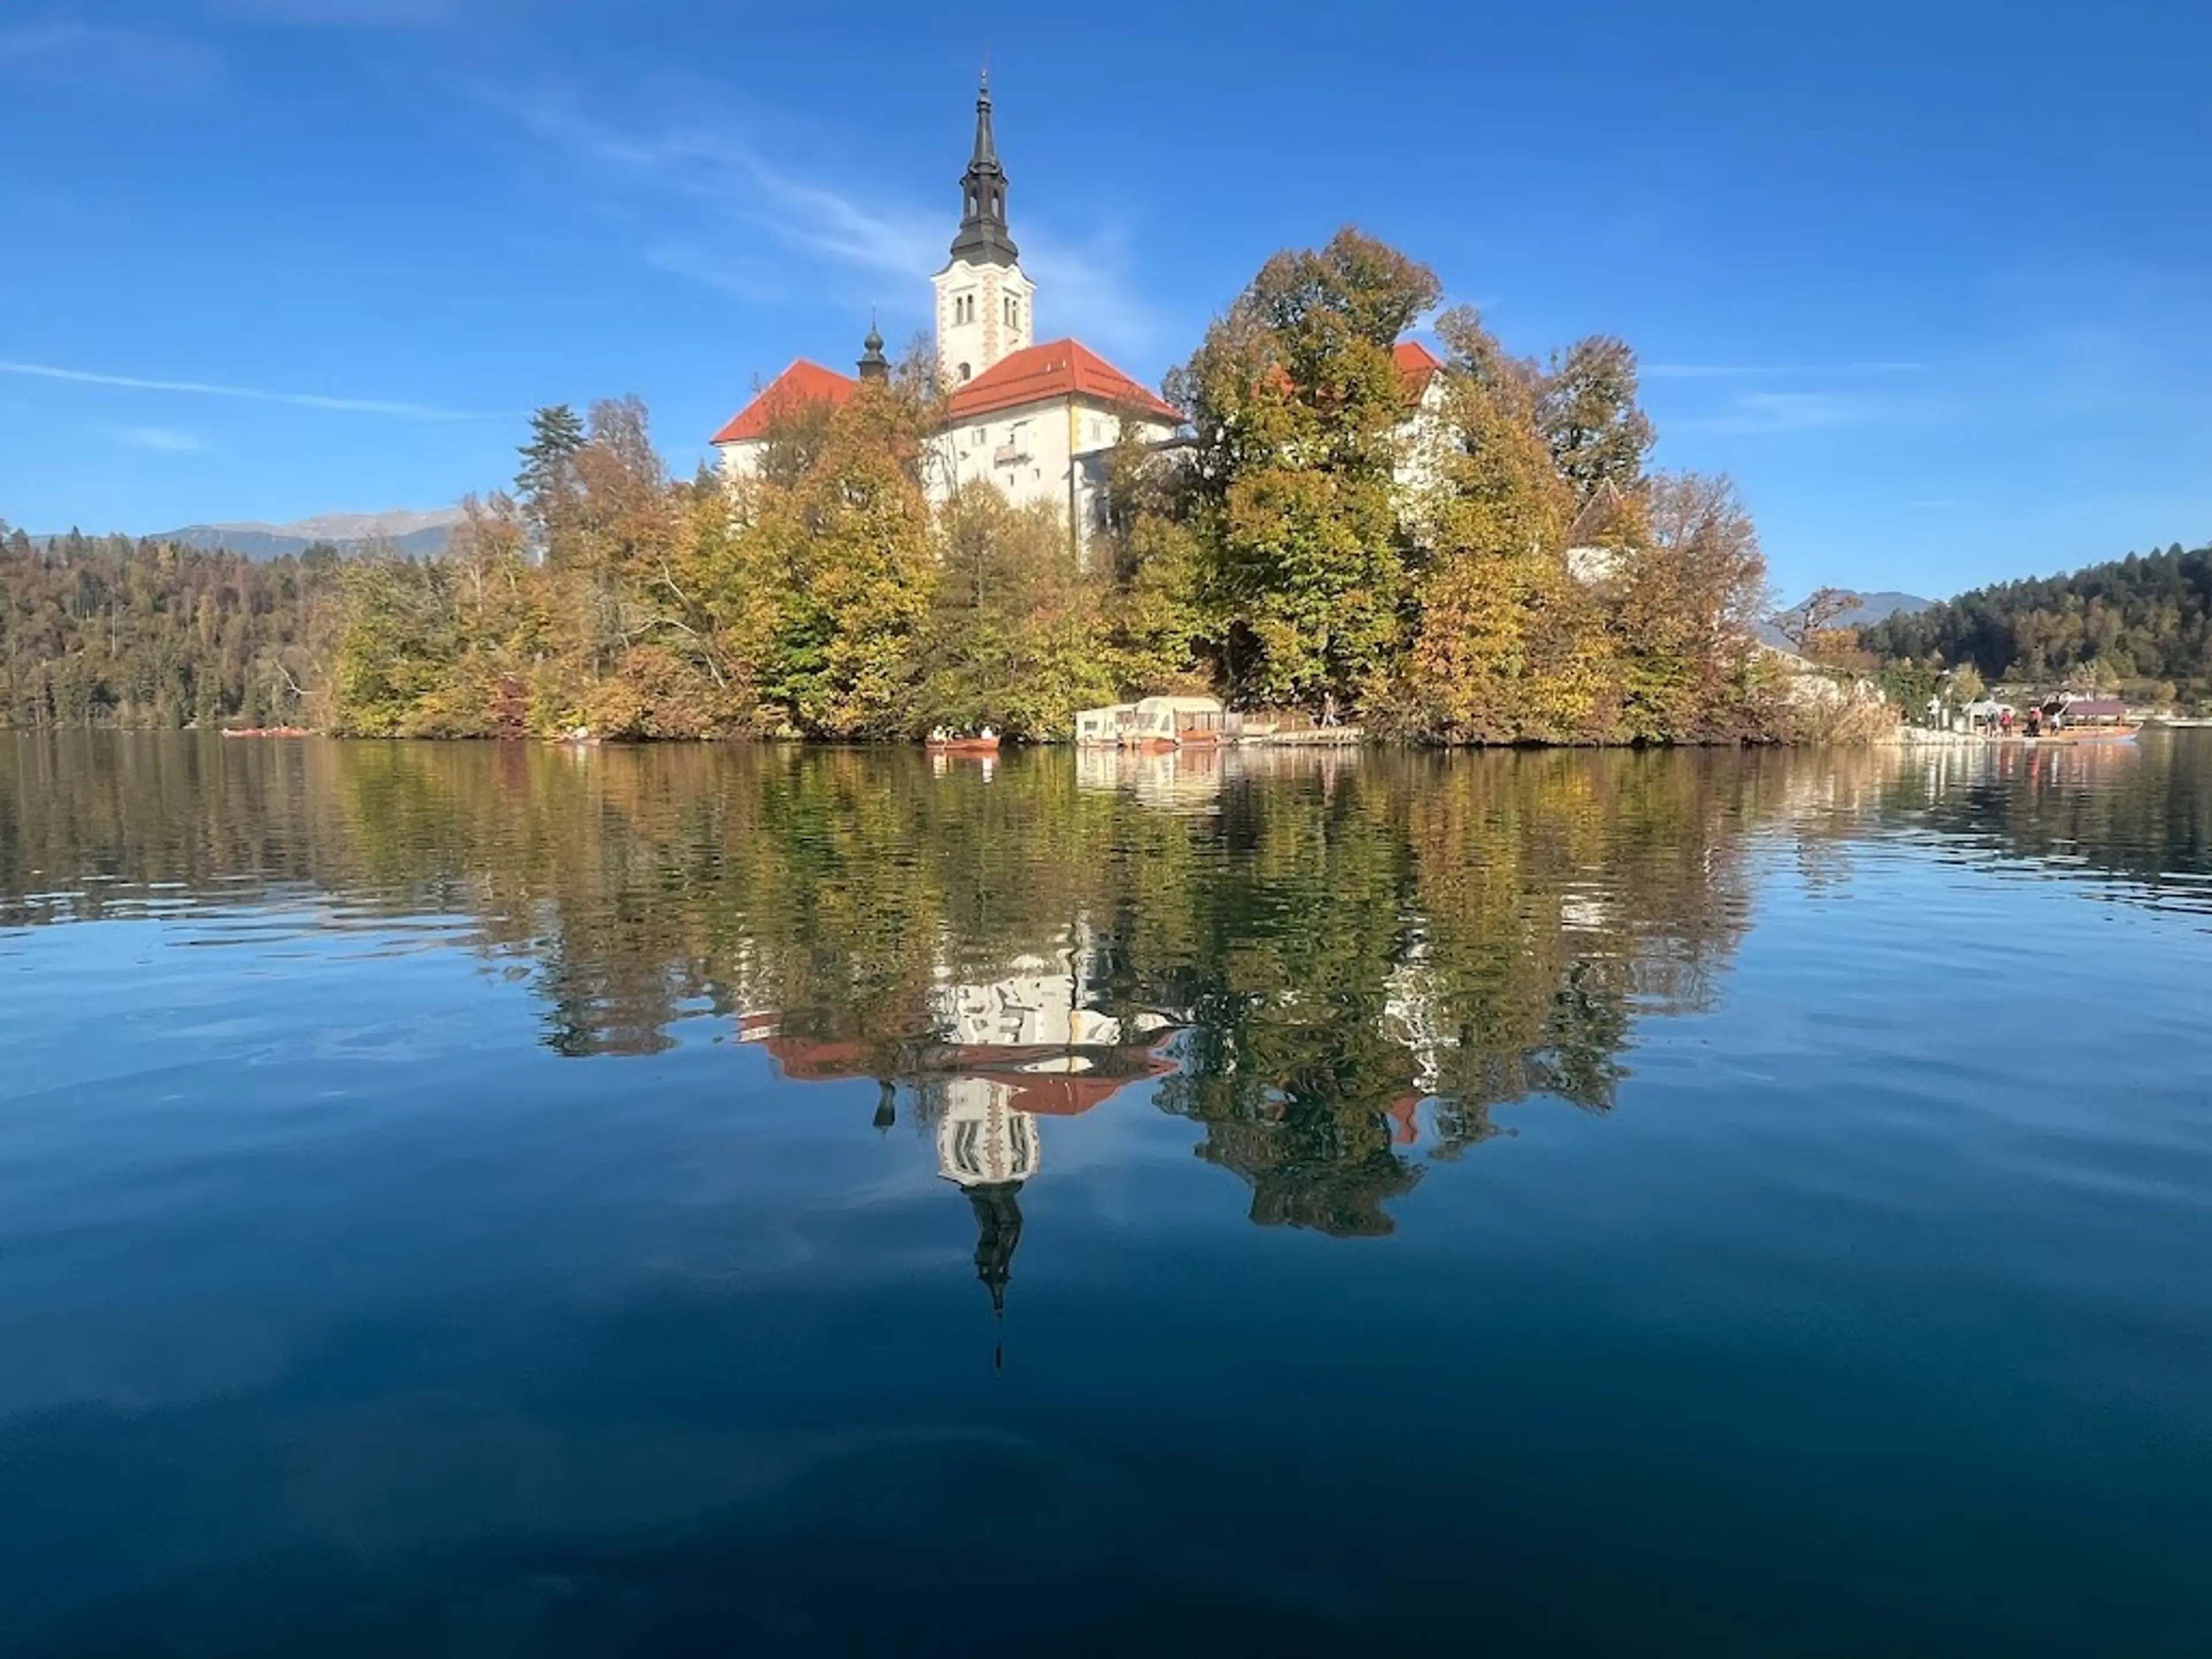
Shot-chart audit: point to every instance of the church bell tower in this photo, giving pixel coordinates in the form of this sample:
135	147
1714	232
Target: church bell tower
984	298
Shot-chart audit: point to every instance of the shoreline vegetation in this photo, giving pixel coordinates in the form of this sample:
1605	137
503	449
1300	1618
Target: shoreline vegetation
1522	579
1484	558
1518	581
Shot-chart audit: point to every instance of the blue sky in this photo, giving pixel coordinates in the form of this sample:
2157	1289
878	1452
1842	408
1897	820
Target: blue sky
1934	282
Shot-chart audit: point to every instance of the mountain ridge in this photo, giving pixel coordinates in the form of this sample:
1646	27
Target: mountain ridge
407	529
1872	608
404	530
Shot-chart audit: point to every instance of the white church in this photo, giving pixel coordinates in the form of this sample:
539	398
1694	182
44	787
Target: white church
1034	420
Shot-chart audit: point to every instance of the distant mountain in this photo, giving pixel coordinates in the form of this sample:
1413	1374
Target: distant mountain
1871	608
1880	607
407	532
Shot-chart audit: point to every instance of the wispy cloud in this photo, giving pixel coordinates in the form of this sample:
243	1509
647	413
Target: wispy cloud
1759	371
1743	399
62	49
714	200
1753	413
253	394
163	440
726	271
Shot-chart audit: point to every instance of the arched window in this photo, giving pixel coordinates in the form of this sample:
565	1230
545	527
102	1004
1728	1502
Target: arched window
963	371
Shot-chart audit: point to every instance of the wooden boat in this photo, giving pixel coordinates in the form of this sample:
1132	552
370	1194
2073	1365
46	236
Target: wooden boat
266	731
962	745
1159	725
2088	734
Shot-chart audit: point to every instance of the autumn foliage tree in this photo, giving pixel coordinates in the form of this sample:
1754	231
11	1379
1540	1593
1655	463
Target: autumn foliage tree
1296	399
1507	647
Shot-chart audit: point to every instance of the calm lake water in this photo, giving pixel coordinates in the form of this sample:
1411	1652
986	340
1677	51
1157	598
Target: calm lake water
491	1200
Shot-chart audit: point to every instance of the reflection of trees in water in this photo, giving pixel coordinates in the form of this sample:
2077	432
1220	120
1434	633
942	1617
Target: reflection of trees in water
1364	960
2142	811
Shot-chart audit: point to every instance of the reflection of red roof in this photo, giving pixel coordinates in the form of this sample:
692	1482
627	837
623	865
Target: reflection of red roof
1058	368
802	383
805	1060
1045	1094
1405	1122
1052	1094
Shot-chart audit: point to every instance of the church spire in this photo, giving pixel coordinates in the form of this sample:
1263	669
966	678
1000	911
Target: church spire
983	238
874	366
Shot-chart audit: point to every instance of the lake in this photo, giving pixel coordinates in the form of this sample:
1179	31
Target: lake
510	1201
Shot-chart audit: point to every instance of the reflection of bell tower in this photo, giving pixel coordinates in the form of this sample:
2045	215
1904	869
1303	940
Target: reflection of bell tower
987	1149
998	1229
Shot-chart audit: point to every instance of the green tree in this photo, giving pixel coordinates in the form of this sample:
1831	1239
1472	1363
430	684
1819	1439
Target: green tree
1586	408
1017	640
546	481
1296	399
1508	647
846	556
1686	600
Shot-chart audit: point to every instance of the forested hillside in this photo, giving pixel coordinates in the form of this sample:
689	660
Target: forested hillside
2142	625
117	632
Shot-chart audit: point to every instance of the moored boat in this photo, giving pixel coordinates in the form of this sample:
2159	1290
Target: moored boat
2072	719
975	746
266	731
2088	734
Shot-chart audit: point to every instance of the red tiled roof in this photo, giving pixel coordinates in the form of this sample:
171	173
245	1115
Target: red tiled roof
1417	367
1058	368
802	383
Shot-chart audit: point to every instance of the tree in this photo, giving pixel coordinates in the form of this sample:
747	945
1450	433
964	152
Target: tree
1801	625
150	634
1585	406
546	481
845	557
1017	640
1508	647
1296	399
1687	599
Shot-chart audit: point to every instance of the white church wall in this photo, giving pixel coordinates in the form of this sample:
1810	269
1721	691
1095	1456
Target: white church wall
1031	453
741	461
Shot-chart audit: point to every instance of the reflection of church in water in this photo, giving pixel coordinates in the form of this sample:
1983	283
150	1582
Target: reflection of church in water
993	1060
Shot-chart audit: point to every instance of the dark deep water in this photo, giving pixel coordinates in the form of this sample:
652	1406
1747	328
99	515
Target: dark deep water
478	1200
